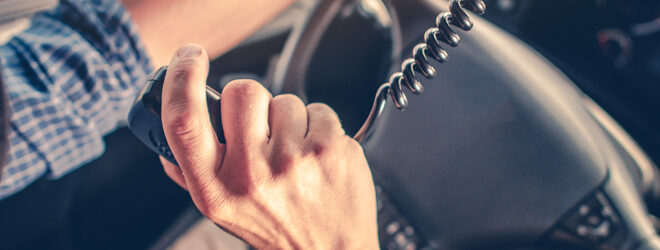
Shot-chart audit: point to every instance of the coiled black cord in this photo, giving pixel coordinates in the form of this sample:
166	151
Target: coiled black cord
421	63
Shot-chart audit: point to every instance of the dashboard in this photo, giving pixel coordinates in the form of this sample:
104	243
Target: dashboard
609	48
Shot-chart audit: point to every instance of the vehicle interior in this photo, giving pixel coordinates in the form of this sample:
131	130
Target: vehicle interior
538	131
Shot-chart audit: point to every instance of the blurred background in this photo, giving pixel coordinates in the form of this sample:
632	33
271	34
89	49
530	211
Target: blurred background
609	48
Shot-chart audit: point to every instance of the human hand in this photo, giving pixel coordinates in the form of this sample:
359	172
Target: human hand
288	176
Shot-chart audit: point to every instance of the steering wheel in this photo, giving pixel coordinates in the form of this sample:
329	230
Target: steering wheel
501	151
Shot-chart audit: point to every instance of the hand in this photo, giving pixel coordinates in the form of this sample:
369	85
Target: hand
288	176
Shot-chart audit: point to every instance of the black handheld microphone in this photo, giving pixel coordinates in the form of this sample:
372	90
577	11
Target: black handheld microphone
144	119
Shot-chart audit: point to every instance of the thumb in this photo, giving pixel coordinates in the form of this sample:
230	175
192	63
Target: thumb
185	117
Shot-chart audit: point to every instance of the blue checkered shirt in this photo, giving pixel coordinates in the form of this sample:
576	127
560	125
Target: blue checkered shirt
71	78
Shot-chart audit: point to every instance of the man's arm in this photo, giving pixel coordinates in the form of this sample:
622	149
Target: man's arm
165	25
70	79
72	75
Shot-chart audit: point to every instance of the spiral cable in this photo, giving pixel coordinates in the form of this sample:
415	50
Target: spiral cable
420	63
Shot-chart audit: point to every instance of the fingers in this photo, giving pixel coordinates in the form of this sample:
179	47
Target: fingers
323	121
174	172
245	105
288	119
185	114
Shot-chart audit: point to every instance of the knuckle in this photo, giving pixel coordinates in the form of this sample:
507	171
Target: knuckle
181	123
285	155
320	148
324	112
237	177
338	144
286	100
284	161
245	87
320	108
353	146
323	145
326	117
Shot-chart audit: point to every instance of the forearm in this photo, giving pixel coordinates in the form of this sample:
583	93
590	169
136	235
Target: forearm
165	25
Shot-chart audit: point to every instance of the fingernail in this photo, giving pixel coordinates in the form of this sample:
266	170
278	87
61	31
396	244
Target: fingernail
189	51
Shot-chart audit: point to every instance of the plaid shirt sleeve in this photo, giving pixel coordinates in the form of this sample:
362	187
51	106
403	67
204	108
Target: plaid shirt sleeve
71	78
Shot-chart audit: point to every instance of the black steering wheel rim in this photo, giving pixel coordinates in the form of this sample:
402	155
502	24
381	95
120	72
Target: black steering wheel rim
377	46
290	72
